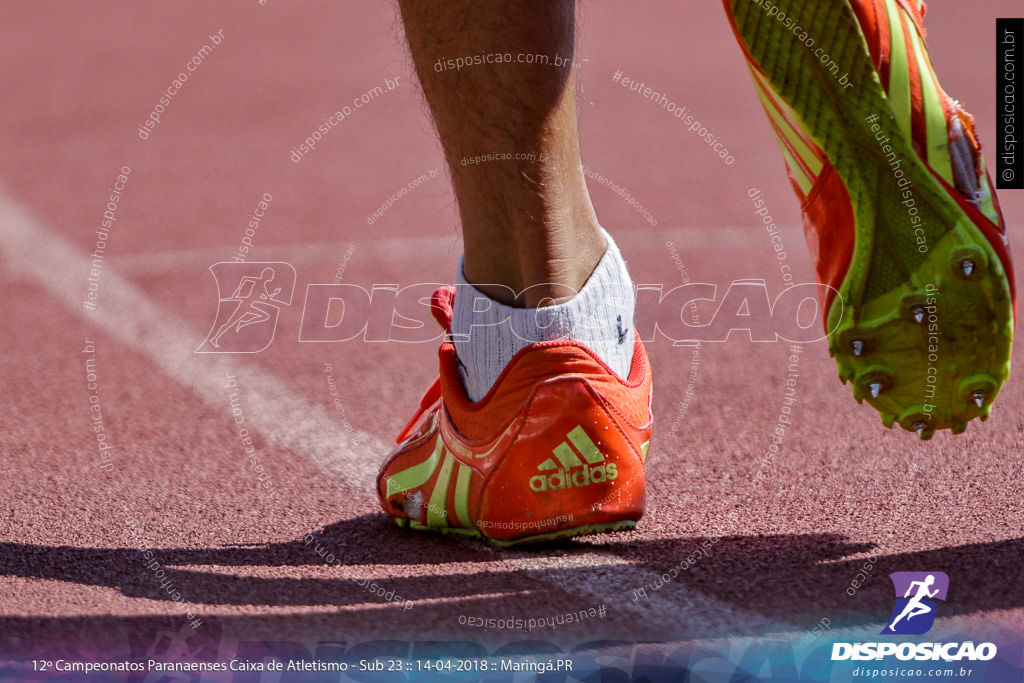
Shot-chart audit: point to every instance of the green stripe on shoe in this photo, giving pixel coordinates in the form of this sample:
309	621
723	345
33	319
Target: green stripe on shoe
417	475
437	511
462	496
899	70
937	129
787	119
795	170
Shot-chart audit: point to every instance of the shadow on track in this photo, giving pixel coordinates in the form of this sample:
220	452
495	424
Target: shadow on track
791	578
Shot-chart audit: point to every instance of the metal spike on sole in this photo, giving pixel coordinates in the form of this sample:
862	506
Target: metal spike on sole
876	389
858	347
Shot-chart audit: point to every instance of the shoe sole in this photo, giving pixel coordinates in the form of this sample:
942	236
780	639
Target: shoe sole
877	339
561	534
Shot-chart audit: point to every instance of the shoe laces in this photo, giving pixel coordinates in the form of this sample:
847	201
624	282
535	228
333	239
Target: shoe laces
442	308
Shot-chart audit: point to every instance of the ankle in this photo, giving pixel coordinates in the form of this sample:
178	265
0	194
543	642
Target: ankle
536	268
488	333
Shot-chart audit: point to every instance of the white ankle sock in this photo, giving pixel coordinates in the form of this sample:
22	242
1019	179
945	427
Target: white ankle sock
487	334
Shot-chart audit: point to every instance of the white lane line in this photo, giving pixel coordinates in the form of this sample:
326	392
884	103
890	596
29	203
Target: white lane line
284	418
442	248
292	423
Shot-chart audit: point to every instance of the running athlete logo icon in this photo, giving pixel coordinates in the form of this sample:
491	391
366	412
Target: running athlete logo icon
247	319
914	612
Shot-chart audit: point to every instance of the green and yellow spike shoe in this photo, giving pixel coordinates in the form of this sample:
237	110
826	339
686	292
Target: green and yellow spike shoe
899	211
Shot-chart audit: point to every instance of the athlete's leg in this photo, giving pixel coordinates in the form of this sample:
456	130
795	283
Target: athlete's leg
527	221
556	418
499	81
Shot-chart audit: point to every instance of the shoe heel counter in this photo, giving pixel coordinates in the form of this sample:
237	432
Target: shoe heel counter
575	463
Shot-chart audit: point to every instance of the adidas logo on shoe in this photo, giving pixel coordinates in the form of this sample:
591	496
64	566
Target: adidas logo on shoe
569	470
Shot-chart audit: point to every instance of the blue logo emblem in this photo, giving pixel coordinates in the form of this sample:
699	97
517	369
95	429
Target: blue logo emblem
914	612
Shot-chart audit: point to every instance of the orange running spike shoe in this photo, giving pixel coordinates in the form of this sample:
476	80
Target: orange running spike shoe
899	211
555	449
